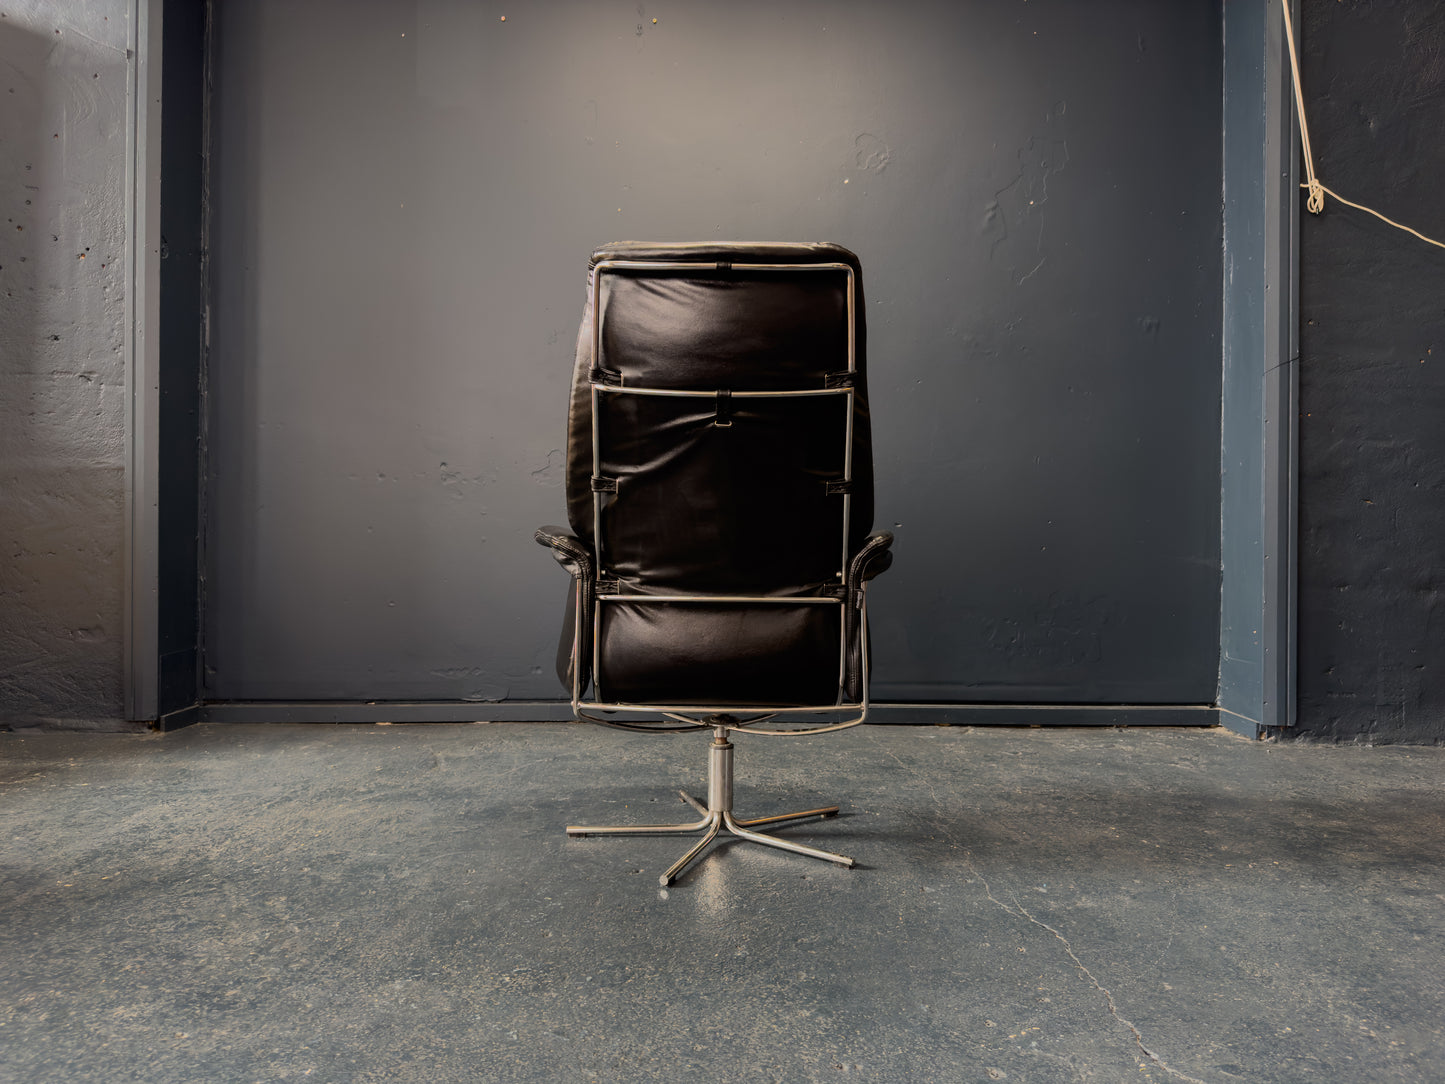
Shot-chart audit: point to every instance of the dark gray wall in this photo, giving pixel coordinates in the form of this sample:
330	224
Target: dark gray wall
1372	431
180	352
62	364
405	195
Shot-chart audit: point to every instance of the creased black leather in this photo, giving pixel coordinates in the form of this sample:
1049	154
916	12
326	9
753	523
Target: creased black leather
722	494
725	654
698	326
735	509
567	548
701	329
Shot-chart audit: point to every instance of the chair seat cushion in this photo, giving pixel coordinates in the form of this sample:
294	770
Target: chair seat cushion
719	653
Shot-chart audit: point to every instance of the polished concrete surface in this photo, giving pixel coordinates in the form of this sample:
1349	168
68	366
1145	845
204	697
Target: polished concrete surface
399	903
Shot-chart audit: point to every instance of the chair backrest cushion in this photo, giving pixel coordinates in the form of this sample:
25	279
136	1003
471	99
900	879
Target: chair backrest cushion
736	495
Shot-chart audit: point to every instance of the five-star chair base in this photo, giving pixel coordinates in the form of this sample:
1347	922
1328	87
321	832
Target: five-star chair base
717	816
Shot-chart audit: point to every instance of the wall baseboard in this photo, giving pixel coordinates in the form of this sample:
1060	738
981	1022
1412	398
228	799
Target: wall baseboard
1045	714
528	711
176	719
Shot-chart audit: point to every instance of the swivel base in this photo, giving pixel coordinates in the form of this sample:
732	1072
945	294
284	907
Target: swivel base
717	816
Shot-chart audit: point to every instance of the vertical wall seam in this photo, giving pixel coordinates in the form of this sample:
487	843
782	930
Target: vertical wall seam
1223	325
1292	351
1282	378
203	376
129	542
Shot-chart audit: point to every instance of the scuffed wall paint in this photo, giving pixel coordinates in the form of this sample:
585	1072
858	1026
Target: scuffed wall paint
63	68
1372	379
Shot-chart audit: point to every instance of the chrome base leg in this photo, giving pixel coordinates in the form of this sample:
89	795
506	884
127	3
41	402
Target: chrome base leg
717	816
696	849
783	844
580	831
781	818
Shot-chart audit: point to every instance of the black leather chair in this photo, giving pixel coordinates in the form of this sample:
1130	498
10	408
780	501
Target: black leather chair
720	492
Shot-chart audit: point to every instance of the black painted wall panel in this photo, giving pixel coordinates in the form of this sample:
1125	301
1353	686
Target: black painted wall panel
1372	431
405	196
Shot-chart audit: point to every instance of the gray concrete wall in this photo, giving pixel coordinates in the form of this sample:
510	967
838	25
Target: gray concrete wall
63	76
1372	377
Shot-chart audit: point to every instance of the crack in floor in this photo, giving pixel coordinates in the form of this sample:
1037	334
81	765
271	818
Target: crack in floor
919	777
1018	910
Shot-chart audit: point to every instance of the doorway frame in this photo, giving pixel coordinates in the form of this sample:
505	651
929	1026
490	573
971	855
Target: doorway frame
1259	428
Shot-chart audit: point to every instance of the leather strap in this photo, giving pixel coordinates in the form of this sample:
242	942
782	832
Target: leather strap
724	409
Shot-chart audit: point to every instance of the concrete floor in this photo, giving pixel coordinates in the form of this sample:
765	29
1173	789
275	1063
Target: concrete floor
389	903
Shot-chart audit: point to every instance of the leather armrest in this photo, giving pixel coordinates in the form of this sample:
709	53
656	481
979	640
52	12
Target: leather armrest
573	667
873	559
568	549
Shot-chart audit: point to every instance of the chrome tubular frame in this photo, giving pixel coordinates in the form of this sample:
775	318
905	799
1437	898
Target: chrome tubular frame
699	716
717	815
